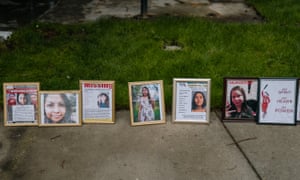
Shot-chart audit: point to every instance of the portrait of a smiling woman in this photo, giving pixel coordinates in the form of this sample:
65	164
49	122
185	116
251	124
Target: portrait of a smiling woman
59	108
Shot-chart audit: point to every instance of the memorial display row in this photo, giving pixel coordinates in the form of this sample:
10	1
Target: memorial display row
264	100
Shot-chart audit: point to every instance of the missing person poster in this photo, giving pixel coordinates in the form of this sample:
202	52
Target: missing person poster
97	101
191	100
21	103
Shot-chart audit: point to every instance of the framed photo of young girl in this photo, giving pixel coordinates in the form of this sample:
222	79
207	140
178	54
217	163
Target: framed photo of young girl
98	102
240	99
191	100
277	101
21	104
146	102
60	108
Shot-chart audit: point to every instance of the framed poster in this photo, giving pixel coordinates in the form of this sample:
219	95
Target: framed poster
191	100
98	102
146	102
60	108
240	99
277	100
21	104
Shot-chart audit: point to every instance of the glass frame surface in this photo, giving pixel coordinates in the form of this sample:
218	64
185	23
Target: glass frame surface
148	109
60	108
21	103
191	100
98	101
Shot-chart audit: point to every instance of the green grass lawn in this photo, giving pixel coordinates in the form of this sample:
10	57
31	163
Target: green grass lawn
128	50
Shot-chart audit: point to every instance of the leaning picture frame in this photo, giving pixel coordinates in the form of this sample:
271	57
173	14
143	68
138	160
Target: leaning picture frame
98	101
240	99
191	100
277	101
146	102
60	108
298	103
21	103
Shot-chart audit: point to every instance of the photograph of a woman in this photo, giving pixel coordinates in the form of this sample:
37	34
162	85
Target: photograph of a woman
240	99
33	98
199	102
103	100
59	108
238	107
146	106
22	98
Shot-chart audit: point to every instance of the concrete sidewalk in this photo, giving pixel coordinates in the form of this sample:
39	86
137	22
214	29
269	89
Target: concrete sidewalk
78	11
272	149
166	151
119	151
74	11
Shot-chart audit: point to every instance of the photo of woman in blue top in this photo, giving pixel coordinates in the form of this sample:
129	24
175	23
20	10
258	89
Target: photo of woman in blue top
103	100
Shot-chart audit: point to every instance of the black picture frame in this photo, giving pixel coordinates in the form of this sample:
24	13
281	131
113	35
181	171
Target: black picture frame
244	108
277	101
298	103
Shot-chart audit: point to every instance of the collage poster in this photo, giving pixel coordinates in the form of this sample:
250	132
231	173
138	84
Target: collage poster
21	103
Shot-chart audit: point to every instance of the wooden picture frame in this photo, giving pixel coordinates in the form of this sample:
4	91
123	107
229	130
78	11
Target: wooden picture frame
277	101
98	101
21	103
60	108
191	100
147	104
240	99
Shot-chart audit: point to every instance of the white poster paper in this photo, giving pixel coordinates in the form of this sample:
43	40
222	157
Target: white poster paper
277	101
